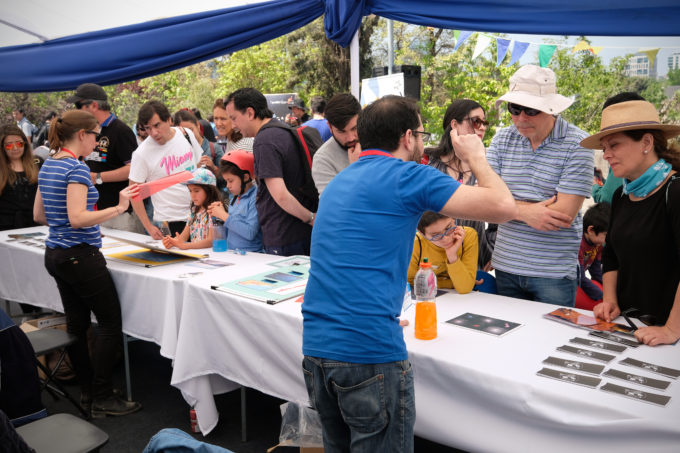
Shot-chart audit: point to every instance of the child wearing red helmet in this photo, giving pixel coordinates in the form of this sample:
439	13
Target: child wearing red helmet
241	222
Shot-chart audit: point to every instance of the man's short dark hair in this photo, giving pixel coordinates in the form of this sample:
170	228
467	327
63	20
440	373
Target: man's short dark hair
385	121
249	97
317	104
597	216
149	108
341	108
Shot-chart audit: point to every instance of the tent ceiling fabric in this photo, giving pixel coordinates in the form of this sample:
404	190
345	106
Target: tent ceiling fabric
143	49
51	46
541	17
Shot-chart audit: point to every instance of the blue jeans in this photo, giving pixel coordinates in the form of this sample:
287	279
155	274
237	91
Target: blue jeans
557	291
363	407
297	248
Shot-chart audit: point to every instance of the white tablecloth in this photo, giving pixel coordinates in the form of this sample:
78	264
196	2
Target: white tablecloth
473	391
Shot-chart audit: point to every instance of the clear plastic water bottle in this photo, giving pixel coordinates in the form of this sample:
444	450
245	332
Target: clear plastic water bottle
219	235
425	285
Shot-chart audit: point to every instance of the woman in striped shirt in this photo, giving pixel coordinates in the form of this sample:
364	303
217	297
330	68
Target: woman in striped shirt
66	201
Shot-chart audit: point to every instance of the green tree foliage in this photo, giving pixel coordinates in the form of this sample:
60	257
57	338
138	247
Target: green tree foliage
673	76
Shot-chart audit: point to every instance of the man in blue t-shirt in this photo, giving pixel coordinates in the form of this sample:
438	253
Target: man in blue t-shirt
318	121
356	365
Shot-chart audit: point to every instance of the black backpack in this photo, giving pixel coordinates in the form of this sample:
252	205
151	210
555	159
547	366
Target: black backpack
308	140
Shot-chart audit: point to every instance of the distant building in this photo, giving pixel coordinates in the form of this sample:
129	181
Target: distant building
674	61
638	66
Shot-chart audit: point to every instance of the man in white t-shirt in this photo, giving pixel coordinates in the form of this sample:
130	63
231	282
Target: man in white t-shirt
170	150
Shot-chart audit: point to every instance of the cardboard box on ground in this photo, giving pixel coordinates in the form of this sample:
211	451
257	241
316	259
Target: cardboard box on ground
65	371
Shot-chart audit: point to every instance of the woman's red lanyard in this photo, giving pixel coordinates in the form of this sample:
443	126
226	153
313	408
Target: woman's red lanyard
68	151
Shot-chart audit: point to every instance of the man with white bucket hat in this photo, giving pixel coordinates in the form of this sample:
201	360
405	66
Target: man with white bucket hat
549	174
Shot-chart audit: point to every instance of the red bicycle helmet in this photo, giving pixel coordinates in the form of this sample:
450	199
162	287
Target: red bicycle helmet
242	159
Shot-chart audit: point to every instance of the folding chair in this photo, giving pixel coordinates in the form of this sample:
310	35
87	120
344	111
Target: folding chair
63	433
45	341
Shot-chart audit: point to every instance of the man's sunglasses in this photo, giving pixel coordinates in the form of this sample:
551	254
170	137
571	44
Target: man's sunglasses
648	320
80	104
516	109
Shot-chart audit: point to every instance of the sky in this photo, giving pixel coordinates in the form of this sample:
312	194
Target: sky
614	46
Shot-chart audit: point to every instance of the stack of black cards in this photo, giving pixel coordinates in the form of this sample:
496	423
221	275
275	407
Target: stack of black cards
588	374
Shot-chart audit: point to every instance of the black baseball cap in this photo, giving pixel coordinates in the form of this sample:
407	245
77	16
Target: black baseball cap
88	91
297	102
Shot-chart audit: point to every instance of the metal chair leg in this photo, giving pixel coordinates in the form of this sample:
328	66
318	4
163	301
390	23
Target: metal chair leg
243	415
126	354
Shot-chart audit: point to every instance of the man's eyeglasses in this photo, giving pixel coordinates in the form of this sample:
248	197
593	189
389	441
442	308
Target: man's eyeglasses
476	122
648	320
447	232
516	109
17	145
426	135
95	133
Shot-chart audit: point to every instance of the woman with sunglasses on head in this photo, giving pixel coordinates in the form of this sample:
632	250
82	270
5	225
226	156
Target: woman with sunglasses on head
452	249
18	179
66	201
467	117
641	259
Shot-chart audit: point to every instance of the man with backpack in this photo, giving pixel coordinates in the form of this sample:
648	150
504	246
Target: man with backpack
286	197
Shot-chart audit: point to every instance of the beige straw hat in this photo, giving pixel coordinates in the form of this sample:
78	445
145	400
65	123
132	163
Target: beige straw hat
628	116
535	87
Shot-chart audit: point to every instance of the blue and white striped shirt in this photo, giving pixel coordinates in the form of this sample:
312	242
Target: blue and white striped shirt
55	176
559	165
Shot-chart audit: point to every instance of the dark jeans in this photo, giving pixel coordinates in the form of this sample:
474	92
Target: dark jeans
85	286
176	227
557	291
298	248
363	407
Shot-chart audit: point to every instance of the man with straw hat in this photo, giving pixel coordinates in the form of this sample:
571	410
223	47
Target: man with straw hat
641	259
549	175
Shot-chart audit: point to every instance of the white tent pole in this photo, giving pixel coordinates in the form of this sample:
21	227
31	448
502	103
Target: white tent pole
390	46
354	64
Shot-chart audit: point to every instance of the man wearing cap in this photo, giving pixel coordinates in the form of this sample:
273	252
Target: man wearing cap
549	174
109	163
298	112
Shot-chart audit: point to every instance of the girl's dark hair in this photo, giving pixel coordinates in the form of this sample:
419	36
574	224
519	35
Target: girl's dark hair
597	216
233	169
428	218
64	128
457	110
211	195
7	175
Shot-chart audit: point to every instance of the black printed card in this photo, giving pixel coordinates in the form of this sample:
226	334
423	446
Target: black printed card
658	369
637	379
587	353
636	394
590	368
571	378
598	344
615	338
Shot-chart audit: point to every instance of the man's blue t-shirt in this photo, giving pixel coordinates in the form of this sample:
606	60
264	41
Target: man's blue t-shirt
362	242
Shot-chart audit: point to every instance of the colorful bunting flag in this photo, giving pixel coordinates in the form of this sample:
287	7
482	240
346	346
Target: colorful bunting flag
502	49
582	45
483	42
596	50
456	34
463	36
545	54
518	50
651	54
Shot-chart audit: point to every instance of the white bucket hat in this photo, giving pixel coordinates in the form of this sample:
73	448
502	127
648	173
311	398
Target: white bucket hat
535	87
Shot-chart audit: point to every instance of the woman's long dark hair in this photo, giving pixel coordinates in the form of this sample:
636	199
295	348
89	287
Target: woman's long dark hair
211	195
458	110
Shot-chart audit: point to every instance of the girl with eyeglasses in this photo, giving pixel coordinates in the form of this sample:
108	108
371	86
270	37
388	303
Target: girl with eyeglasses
65	201
452	249
18	179
467	117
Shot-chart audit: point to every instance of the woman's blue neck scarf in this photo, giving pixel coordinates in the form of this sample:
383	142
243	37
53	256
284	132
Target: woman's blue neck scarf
648	181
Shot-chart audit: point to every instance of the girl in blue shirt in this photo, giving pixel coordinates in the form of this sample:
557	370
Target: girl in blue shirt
243	227
66	201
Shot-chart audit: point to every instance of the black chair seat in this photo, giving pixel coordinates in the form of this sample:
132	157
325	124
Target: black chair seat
63	433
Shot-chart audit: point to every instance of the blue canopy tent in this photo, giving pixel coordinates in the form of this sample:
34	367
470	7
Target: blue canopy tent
51	46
